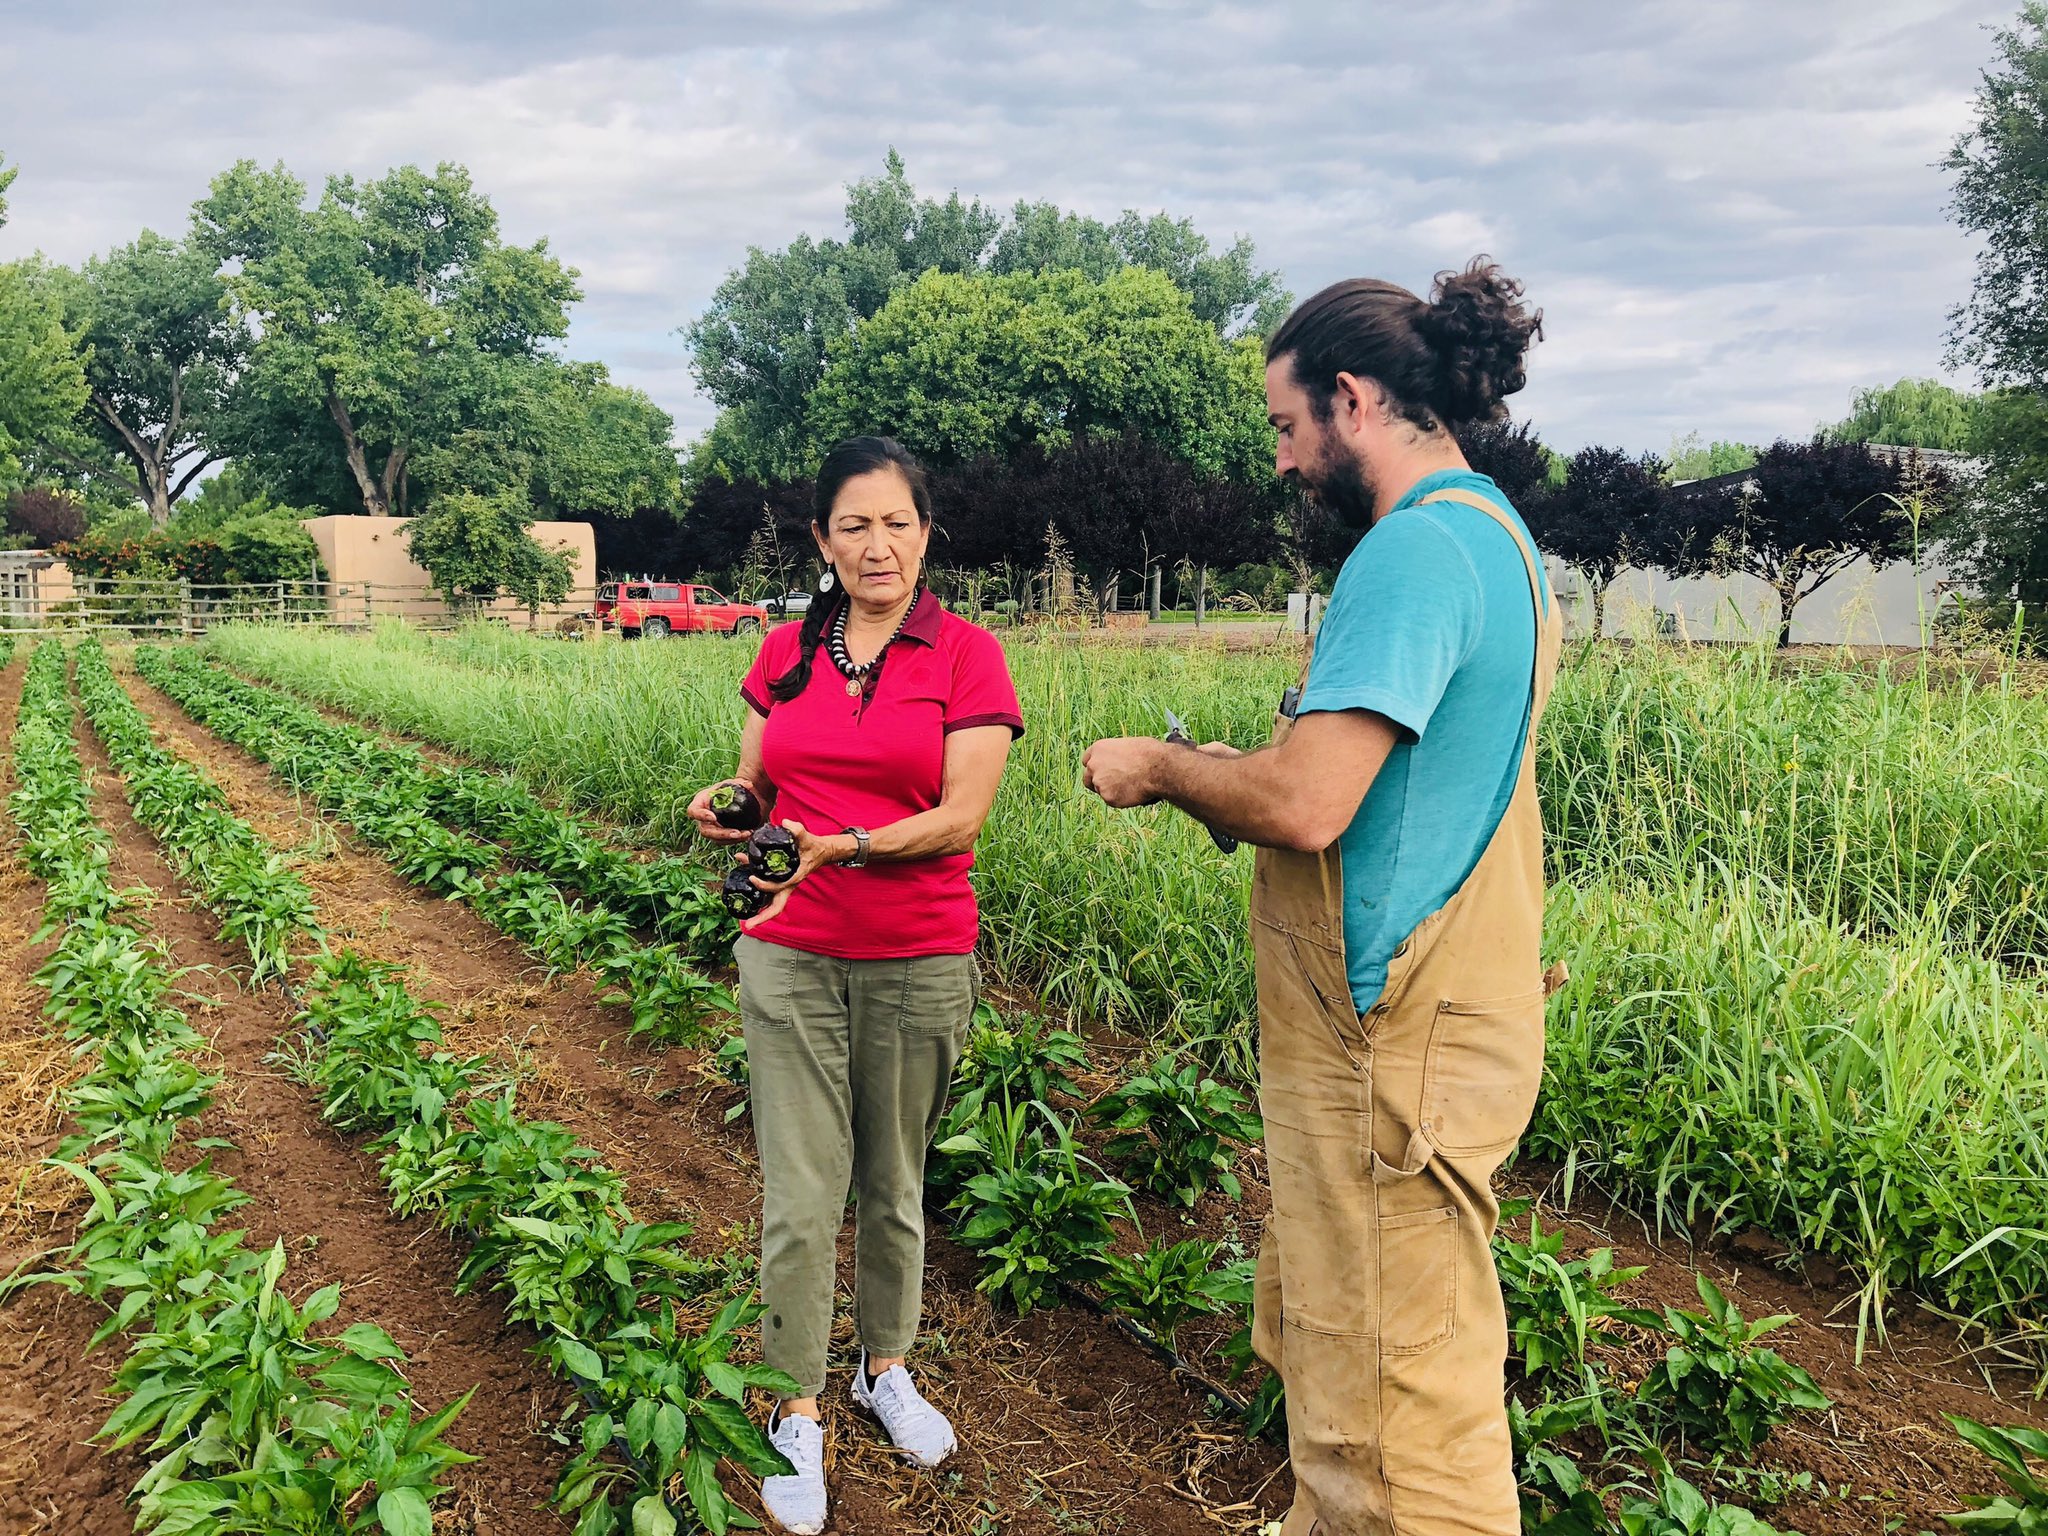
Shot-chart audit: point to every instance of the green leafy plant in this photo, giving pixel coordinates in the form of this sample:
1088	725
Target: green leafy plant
1555	1305
1020	1058
1674	1507
1556	1497
2023	1509
1035	1213
1167	1284
1715	1387
1173	1129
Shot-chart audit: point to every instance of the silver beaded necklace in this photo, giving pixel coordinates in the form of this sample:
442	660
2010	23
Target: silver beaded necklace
857	676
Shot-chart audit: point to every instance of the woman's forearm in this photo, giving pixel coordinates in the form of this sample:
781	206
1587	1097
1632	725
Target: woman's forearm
932	834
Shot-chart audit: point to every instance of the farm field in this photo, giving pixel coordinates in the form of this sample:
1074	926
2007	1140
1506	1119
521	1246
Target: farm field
1804	918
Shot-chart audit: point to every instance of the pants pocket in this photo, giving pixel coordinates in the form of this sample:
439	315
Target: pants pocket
767	983
1484	1066
1418	1279
938	995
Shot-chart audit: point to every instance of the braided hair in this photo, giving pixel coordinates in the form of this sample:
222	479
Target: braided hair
848	460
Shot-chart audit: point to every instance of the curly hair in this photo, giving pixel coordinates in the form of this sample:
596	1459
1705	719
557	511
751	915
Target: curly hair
1444	364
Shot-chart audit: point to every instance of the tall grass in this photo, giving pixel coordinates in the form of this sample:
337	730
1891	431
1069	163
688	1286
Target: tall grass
1805	914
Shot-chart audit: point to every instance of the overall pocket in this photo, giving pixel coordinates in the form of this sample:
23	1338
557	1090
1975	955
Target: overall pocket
1484	1067
1418	1279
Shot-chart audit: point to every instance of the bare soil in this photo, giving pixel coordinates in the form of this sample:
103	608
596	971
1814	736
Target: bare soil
1066	1425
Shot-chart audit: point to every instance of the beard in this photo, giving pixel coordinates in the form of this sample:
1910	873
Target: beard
1342	488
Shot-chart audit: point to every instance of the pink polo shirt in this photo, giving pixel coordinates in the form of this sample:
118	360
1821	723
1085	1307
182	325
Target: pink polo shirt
838	761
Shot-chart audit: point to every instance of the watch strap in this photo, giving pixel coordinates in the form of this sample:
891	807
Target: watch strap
860	837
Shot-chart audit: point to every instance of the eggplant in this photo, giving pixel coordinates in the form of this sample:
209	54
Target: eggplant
742	898
736	807
772	854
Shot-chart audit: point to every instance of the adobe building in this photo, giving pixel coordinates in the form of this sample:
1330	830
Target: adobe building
370	575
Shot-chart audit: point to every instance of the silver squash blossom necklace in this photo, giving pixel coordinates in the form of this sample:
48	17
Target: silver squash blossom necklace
857	676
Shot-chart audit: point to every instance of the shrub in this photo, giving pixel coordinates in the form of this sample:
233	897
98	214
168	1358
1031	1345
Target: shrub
1715	1387
45	516
1173	1129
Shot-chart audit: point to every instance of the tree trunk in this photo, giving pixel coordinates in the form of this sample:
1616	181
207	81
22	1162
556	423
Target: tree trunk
1788	599
1599	609
375	502
1201	594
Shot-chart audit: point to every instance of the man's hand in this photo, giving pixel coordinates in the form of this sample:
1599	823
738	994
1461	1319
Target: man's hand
1124	770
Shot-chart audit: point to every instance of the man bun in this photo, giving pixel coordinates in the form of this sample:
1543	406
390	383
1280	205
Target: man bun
1480	330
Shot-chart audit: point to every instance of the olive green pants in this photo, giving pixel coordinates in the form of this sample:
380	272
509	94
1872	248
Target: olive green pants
851	1062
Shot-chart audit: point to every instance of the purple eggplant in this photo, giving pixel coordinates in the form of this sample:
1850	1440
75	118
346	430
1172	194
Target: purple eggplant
736	807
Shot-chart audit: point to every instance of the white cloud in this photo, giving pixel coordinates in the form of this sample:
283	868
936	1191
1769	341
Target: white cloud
1730	213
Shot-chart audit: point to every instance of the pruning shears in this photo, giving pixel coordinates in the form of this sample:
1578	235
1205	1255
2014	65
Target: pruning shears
1178	733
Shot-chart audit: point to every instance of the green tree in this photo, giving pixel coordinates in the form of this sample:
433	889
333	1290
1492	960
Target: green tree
1689	459
388	323
763	344
161	352
2000	532
603	448
2001	169
1913	413
474	547
7	175
42	374
963	365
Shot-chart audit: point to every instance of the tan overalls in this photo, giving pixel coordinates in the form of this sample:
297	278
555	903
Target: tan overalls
1377	1300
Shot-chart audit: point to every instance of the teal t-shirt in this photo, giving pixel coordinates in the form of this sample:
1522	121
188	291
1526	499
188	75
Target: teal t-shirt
1430	625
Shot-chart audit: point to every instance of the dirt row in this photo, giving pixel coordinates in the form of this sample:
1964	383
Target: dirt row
1883	1458
1066	1424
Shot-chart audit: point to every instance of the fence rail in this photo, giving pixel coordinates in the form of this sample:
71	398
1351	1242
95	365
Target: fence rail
186	608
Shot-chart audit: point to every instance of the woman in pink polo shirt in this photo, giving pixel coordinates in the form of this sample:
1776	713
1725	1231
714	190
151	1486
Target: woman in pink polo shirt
876	733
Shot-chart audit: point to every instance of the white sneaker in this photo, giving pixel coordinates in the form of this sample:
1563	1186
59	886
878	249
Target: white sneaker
914	1426
797	1502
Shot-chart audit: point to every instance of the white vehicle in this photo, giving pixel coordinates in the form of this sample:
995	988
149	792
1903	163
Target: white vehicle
791	605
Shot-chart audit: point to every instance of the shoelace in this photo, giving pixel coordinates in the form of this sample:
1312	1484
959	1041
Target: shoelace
805	1452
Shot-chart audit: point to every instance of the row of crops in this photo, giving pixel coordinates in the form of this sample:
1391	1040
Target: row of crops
1020	1162
1033	1201
252	1417
1805	916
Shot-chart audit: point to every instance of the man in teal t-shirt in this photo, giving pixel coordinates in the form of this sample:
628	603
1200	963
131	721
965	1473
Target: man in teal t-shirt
1396	910
1430	626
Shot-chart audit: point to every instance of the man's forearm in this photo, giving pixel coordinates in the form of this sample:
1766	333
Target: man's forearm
1242	796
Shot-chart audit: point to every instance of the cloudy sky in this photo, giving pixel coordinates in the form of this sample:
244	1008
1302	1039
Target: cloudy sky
1731	213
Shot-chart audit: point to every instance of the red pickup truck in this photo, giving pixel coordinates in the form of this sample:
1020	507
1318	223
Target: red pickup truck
654	609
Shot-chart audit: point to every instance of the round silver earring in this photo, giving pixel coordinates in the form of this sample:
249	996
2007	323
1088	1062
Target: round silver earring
827	581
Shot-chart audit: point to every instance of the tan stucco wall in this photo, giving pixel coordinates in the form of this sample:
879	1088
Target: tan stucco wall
373	576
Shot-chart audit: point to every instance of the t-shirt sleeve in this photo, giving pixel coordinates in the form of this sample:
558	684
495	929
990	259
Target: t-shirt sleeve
983	693
770	662
1405	614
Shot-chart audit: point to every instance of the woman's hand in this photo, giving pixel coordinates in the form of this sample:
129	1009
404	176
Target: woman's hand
812	852
707	823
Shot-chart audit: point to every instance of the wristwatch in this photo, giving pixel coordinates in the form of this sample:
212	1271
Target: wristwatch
860	856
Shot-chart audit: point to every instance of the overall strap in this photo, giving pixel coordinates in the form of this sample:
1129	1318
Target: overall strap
1486	504
1547	617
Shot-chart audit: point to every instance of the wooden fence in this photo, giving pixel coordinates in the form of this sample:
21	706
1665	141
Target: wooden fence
187	608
